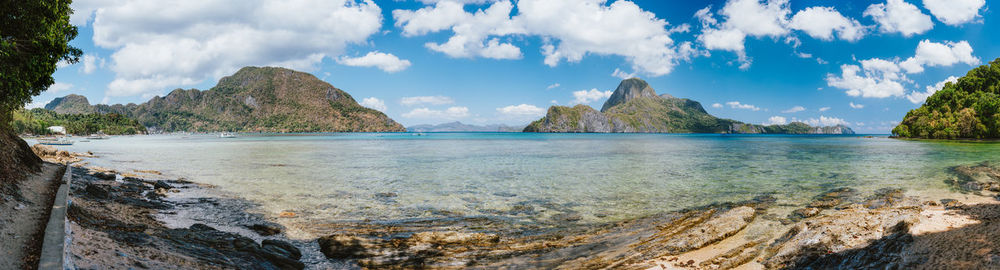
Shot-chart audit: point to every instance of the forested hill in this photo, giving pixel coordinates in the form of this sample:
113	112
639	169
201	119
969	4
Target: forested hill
255	99
966	109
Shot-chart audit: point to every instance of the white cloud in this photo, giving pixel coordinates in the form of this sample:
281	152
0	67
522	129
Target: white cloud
91	63
159	45
36	104
738	105
59	87
776	120
433	100
879	78
521	111
825	121
743	18
569	29
918	97
374	103
717	105
856	106
554	85
794	109
618	73
954	12
824	109
586	97
821	22
939	54
451	113
384	61
899	16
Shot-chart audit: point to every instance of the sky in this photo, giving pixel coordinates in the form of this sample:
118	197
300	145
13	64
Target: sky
863	64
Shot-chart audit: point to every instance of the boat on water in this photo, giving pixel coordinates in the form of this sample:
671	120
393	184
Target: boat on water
56	141
98	136
227	135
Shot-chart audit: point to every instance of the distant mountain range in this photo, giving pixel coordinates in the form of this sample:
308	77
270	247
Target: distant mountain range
635	107
460	127
255	99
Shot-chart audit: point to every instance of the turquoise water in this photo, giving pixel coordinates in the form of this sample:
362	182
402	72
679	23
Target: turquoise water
598	177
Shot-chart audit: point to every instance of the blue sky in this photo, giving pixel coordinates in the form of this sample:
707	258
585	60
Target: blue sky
860	63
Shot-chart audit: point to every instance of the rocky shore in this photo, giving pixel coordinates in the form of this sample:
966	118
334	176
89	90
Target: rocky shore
123	221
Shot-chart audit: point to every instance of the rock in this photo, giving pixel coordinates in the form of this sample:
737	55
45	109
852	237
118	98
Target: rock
887	198
281	247
972	186
832	198
452	238
265	229
104	175
993	186
98	191
160	184
385	195
931	203
342	247
803	213
951	203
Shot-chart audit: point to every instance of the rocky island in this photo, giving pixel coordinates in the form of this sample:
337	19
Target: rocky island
254	99
634	107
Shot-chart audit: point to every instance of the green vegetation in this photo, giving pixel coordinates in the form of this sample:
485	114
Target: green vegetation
34	36
37	121
968	109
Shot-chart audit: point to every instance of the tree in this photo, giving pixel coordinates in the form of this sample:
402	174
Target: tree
34	37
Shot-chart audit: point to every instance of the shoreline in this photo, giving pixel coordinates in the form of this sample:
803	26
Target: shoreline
746	245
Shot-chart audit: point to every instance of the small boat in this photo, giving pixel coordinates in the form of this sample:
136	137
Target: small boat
56	141
98	136
227	135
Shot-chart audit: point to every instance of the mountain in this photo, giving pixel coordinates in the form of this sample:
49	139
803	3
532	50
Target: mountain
254	99
966	109
460	127
70	104
635	107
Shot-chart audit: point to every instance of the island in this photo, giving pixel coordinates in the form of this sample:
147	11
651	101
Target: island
966	109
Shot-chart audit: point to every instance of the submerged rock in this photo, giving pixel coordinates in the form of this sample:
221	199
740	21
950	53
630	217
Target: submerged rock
160	184
265	229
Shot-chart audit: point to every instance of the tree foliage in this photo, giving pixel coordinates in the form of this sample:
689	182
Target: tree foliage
34	37
36	121
967	109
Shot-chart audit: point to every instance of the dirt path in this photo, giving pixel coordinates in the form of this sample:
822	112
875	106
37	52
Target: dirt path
22	220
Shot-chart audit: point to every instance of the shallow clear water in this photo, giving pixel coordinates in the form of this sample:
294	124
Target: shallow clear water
599	177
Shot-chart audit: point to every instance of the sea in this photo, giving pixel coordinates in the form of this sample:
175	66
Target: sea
328	178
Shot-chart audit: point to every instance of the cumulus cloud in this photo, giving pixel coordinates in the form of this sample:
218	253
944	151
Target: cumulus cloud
776	120
742	18
569	29
521	111
825	121
373	103
384	61
939	54
184	42
618	73
822	22
954	12
918	97
794	109
432	100
36	104
91	63
899	16
738	105
588	96
717	105
59	87
880	78
856	106
451	113
554	85
824	109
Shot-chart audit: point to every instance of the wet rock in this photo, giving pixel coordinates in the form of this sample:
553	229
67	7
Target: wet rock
97	191
832	198
282	248
931	203
992	186
160	184
505	194
208	244
386	195
951	203
452	238
566	217
887	198
972	186
803	213
266	229
342	247
734	257
104	175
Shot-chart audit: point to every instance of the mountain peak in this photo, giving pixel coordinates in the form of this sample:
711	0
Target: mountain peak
629	89
70	104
